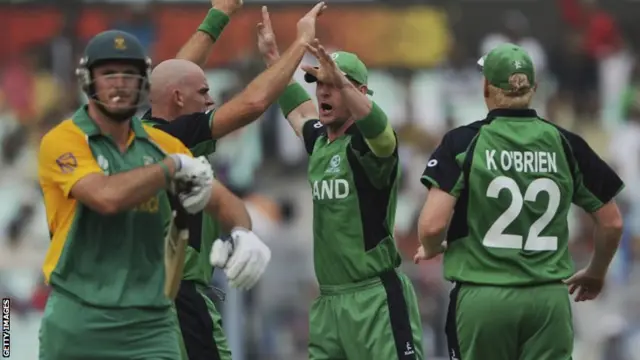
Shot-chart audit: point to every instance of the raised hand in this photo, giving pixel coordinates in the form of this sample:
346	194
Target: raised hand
227	6
307	24
267	39
328	72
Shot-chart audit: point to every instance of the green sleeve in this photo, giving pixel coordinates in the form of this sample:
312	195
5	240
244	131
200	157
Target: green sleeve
377	132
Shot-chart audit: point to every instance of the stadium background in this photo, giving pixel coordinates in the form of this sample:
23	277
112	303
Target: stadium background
421	55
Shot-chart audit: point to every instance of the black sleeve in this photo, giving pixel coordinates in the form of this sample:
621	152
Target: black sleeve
443	169
596	182
191	129
311	131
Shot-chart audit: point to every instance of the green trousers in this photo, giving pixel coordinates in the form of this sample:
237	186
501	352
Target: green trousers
510	323
71	330
377	319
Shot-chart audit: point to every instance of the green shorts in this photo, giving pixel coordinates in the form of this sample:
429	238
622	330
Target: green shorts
200	324
506	323
377	319
71	330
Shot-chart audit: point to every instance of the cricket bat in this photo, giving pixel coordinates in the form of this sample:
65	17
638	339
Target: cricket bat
175	244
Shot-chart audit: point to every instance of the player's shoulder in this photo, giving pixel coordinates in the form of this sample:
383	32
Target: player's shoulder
65	127
574	141
65	133
167	142
197	115
159	136
313	126
458	139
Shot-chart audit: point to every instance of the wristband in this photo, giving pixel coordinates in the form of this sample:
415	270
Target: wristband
165	170
374	123
214	23
292	97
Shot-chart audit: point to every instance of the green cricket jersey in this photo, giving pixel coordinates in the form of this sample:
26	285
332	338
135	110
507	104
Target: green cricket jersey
194	130
515	177
354	204
114	261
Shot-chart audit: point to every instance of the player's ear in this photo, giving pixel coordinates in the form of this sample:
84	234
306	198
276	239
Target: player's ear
535	87
178	98
485	87
363	89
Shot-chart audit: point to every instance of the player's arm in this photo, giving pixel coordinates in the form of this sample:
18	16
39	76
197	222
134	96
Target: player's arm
297	107
295	103
596	187
265	89
228	208
370	120
198	47
443	177
66	160
256	98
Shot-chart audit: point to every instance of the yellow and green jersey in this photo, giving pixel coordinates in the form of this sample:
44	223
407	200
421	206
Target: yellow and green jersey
114	261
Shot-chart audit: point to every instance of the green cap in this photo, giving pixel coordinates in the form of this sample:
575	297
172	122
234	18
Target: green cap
351	66
503	61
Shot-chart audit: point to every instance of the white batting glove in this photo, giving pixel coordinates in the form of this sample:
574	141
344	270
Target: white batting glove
192	182
243	256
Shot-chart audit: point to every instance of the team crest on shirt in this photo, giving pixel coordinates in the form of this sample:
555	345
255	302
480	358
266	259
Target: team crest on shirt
104	164
334	165
67	163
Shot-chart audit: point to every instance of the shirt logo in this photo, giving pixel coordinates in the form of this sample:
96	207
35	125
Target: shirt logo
148	160
104	164
432	163
334	165
67	163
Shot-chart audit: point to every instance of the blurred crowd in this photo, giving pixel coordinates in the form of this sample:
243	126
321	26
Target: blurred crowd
589	82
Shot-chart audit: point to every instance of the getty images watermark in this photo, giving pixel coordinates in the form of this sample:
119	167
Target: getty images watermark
6	327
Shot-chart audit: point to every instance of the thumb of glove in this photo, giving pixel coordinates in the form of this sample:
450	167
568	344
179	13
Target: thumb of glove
220	253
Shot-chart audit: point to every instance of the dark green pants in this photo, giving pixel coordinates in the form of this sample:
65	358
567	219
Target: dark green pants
376	319
510	323
200	325
71	330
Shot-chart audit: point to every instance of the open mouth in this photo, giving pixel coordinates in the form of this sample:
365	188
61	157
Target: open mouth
325	108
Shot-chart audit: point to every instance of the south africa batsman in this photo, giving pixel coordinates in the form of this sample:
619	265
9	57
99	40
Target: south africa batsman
105	176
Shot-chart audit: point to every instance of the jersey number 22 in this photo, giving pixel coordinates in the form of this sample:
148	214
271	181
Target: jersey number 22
495	236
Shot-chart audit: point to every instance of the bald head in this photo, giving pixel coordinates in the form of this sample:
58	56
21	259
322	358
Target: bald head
178	87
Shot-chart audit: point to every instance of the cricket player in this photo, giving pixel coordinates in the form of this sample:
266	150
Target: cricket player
500	190
367	309
180	106
104	176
